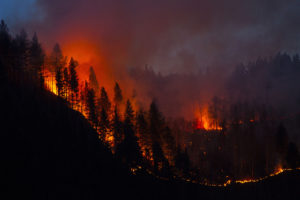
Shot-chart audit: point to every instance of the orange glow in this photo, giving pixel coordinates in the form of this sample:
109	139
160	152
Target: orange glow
203	121
88	53
50	82
82	50
278	170
110	139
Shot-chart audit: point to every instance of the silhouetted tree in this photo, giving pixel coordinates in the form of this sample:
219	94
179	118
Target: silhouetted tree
56	57
104	108
73	81
157	126
143	132
21	46
83	96
104	124
129	150
91	107
214	111
168	144
36	58
5	45
117	127
93	80
118	98
104	102
59	81
56	64
161	164
66	83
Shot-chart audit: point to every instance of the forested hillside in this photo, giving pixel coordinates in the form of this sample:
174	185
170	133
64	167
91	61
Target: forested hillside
59	140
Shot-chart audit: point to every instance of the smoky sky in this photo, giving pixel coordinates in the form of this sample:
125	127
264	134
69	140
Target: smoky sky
180	39
170	35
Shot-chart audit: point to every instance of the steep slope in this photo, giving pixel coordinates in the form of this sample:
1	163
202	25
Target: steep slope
42	140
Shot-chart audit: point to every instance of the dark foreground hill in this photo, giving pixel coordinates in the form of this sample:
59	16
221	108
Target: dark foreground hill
49	151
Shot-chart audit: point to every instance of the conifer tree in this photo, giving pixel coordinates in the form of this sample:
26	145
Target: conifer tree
57	62
36	58
66	83
91	107
83	96
156	122
59	81
161	164
104	102
73	81
117	127
104	107
56	58
142	129
129	149
118	98
5	45
93	80
21	49
157	126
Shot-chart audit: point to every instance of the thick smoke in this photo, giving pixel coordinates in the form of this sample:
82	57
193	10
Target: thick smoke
172	37
176	36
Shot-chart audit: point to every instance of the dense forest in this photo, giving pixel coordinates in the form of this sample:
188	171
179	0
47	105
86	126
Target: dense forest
248	137
137	138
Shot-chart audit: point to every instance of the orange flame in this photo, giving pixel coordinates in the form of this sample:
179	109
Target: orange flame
203	121
50	82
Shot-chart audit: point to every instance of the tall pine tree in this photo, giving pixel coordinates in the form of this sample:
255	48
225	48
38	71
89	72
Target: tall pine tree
21	46
118	97
104	107
57	62
5	47
73	81
129	150
36	59
117	127
91	107
93	80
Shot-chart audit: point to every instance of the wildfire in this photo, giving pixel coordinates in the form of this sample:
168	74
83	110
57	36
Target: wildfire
50	82
279	170
204	122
